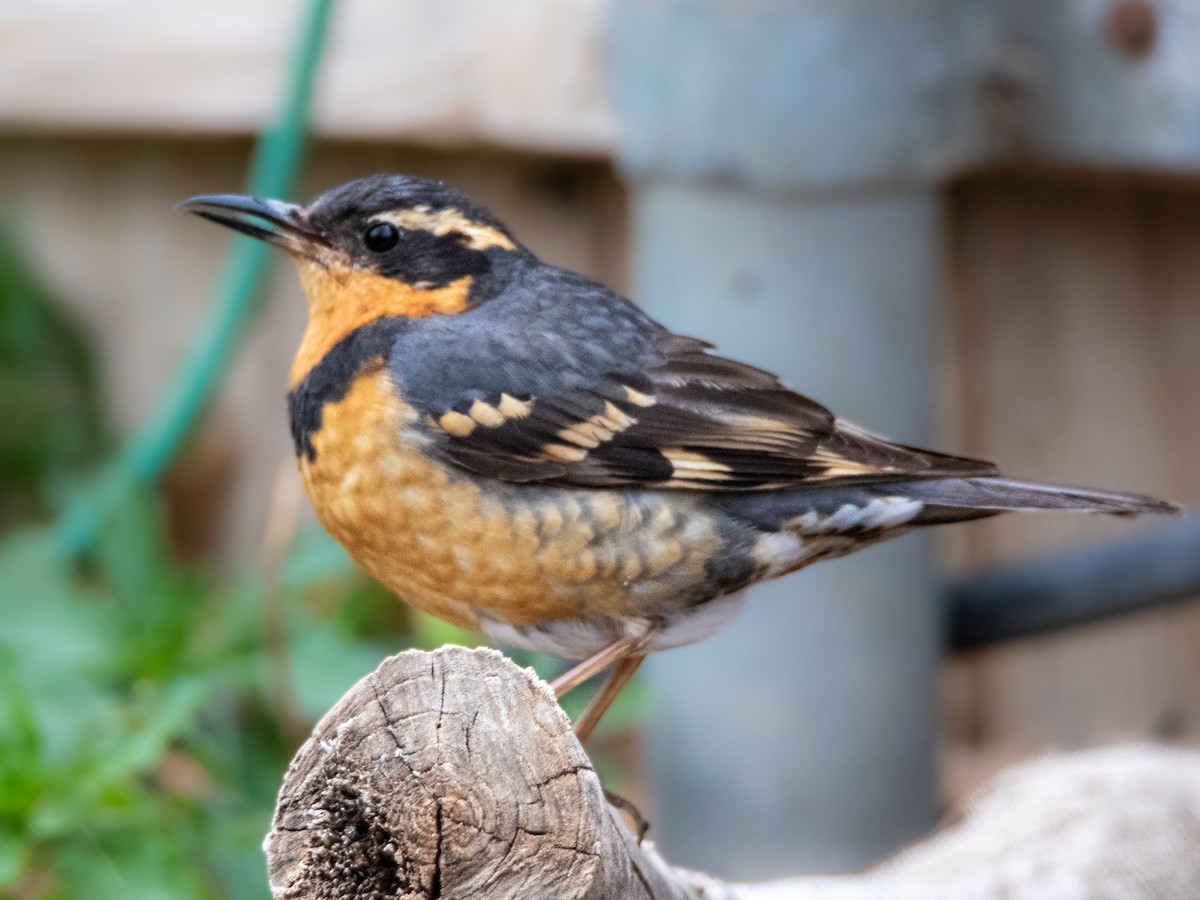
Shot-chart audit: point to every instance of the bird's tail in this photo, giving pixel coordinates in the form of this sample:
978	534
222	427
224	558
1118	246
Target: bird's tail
954	499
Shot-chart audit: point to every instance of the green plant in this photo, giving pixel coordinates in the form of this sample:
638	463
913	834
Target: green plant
145	719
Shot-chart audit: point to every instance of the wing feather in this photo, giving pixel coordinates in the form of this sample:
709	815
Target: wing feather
690	421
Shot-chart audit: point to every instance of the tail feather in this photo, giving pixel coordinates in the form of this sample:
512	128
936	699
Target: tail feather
938	501
997	494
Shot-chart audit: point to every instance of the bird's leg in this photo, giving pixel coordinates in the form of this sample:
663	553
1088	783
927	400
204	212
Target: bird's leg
617	679
593	665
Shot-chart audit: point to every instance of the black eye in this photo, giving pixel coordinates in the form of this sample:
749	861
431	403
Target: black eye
381	237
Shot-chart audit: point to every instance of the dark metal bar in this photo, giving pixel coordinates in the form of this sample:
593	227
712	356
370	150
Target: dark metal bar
1080	588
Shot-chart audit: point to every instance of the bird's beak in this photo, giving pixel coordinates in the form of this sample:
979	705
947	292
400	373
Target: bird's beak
283	224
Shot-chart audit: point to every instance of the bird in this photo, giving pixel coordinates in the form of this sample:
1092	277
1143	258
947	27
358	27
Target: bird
517	449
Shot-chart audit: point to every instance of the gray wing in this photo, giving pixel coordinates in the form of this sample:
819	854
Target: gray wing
574	385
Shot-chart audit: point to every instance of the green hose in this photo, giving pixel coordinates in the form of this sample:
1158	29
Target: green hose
272	174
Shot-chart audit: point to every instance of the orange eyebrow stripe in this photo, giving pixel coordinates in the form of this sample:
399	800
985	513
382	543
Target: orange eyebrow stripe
342	299
449	221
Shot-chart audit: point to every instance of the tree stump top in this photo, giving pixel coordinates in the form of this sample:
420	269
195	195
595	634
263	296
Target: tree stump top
454	774
451	773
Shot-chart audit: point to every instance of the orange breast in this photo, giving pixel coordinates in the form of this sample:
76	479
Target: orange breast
460	547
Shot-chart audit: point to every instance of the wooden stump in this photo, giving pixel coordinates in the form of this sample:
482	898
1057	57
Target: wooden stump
455	775
452	774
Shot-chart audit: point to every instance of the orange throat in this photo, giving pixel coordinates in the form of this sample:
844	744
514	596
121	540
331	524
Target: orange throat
342	299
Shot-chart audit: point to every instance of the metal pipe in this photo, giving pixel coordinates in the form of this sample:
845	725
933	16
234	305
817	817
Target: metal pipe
784	160
809	723
1075	589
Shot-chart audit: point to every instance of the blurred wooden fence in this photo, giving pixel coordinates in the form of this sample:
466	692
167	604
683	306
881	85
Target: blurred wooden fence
1074	353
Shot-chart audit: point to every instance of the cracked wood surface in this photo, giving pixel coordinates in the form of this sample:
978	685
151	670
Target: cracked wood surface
455	775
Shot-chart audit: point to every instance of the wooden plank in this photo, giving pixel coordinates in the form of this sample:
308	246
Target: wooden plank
1077	358
525	73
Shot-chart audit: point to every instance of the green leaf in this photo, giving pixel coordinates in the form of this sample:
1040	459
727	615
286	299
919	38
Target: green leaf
325	663
314	557
14	853
149	727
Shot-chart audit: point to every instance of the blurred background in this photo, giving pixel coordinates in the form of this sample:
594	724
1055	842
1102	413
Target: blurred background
966	222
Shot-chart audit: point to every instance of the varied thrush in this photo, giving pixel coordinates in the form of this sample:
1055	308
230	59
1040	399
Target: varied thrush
516	448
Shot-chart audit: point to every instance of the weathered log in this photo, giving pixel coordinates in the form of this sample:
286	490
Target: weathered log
454	774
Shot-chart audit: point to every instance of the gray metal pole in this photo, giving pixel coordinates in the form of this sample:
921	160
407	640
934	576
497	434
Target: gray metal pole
802	737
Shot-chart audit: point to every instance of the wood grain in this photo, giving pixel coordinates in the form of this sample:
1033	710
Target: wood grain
452	774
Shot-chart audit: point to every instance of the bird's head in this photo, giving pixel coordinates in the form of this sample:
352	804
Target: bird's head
400	244
380	247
